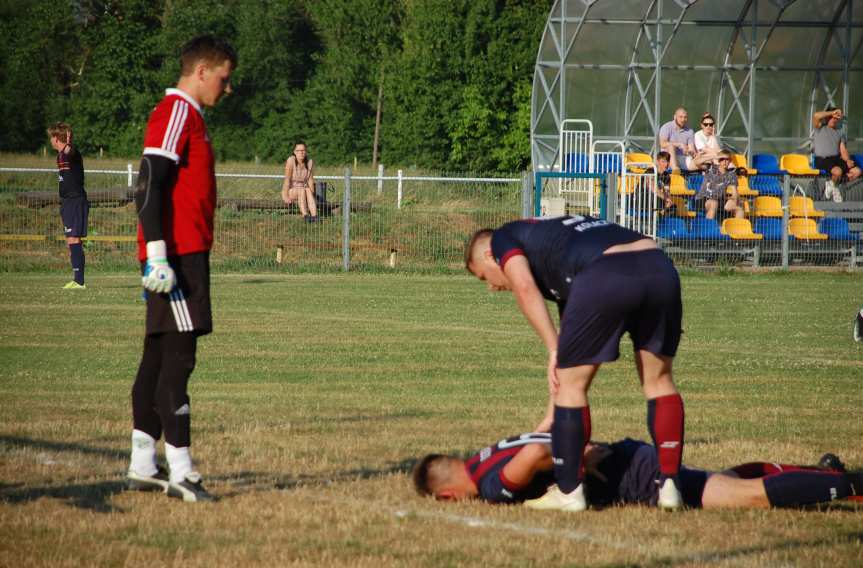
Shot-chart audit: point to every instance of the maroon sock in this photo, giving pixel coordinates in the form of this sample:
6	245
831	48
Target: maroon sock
665	422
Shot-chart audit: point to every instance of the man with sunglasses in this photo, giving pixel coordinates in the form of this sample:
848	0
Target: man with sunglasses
829	145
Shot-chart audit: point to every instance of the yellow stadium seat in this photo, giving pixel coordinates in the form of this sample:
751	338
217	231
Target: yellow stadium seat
739	161
638	158
766	206
797	164
805	229
740	229
681	209
743	188
804	207
678	186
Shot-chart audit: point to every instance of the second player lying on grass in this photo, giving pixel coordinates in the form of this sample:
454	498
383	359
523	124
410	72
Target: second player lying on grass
625	472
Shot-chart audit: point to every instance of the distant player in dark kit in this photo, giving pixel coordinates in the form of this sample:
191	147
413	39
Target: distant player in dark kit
176	201
519	468
605	280
74	207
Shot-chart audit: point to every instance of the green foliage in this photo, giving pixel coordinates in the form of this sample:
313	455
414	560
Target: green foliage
452	77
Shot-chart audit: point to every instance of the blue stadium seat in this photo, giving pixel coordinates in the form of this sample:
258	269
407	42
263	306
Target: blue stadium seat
576	163
770	227
766	185
693	181
766	164
707	229
606	163
858	159
837	228
672	228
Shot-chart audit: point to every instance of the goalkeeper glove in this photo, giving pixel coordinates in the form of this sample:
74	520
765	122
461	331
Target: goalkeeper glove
158	276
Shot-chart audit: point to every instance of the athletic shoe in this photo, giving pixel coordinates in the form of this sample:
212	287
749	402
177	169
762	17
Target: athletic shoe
557	500
74	286
831	462
669	496
191	489
156	482
858	327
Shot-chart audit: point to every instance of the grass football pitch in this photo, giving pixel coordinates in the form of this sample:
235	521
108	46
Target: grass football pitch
316	393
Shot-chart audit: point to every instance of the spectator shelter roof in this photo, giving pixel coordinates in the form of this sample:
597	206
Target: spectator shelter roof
761	67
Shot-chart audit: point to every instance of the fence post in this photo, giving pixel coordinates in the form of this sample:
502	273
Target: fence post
399	198
129	172
380	178
526	192
786	191
346	222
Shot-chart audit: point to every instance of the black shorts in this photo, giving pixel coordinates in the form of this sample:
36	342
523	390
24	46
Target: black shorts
187	307
638	483
635	292
74	213
829	162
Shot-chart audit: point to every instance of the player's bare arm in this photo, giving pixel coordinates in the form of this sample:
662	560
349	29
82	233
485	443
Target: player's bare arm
524	466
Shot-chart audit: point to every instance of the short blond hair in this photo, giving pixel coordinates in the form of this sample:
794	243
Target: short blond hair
61	131
472	243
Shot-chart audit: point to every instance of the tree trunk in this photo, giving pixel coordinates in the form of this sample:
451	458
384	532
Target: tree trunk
378	121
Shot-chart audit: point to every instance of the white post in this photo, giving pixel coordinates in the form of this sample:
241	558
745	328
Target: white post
380	178
129	172
399	199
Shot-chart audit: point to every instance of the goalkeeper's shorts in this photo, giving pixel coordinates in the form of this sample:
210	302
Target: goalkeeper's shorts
186	308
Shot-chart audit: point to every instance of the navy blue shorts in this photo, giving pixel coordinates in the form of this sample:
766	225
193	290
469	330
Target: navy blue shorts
74	213
635	292
638	484
187	307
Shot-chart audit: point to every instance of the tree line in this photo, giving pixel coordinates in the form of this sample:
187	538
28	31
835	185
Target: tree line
440	84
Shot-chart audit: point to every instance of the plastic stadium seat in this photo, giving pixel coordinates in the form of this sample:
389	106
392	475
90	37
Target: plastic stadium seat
678	186
740	229
739	161
576	163
766	164
805	229
606	163
681	208
770	227
804	207
766	185
837	228
637	158
707	229
858	160
672	228
767	206
743	188
694	180
797	164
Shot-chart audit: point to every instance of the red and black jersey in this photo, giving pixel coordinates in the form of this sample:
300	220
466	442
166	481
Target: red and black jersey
558	248
177	131
70	173
486	470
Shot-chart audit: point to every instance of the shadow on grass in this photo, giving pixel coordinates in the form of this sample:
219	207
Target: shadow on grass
255	481
89	496
48	445
852	538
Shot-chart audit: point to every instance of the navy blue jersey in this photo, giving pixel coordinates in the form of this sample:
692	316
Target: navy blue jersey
70	173
558	248
486	470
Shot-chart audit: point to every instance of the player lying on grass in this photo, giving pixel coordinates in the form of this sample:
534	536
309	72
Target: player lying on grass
625	472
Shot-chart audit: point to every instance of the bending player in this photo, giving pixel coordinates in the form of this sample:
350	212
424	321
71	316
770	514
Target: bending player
176	201
519	468
605	280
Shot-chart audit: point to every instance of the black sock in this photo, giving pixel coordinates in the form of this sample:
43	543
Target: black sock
76	256
801	488
570	432
855	478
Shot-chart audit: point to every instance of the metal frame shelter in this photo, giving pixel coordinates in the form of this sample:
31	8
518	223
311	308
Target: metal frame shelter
761	67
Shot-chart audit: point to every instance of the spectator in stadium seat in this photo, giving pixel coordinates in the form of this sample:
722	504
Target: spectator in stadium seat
676	138
718	180
74	206
707	144
606	280
299	184
829	145
663	181
518	469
